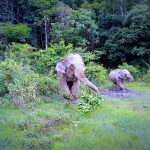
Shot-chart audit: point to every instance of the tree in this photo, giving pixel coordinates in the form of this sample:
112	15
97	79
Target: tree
74	4
13	33
7	11
137	22
79	28
129	44
43	17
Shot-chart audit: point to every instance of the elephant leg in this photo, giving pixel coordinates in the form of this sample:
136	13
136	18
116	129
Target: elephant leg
120	84
123	89
64	86
115	85
75	91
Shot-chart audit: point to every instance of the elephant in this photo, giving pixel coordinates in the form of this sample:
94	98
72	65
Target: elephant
118	76
70	71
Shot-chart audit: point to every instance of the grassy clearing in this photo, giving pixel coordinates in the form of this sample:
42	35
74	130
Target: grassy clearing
117	124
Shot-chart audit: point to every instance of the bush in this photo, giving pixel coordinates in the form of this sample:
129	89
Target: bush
48	58
24	85
23	90
97	74
3	87
146	77
47	86
8	69
22	53
13	33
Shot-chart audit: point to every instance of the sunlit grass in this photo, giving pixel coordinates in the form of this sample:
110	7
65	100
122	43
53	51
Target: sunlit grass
118	124
138	85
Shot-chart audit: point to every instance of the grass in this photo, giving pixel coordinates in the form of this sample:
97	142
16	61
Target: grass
116	125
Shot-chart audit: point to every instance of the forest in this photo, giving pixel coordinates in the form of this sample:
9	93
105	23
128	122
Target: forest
108	34
111	31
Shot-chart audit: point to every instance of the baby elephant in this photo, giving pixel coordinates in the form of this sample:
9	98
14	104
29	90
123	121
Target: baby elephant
117	76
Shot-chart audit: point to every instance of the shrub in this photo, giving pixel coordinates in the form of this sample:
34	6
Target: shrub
13	33
8	69
146	77
96	73
49	57
24	85
22	53
24	88
3	87
47	86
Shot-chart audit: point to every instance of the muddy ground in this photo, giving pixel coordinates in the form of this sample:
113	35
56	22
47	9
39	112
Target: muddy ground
120	94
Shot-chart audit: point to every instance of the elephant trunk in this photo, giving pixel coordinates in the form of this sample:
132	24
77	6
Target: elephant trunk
89	84
130	78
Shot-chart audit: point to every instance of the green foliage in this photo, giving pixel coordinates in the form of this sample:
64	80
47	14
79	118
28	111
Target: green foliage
3	87
20	82
9	69
42	61
117	32
137	22
86	55
85	26
137	16
80	29
14	32
146	77
48	58
134	72
24	85
96	73
47	86
129	43
89	101
21	53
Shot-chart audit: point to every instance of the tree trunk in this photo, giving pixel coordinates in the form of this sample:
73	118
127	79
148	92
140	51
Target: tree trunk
46	33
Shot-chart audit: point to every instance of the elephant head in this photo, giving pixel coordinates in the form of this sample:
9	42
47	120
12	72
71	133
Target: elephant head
125	75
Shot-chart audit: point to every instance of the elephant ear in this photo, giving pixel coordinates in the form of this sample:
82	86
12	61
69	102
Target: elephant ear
61	67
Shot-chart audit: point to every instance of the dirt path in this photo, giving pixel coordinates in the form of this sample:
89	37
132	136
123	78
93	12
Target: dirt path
120	94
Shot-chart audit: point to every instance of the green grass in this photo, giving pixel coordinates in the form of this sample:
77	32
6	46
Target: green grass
116	125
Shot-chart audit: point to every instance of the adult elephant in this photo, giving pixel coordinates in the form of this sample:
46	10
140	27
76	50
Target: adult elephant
118	76
70	72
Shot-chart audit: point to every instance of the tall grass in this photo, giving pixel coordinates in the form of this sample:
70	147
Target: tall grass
118	124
